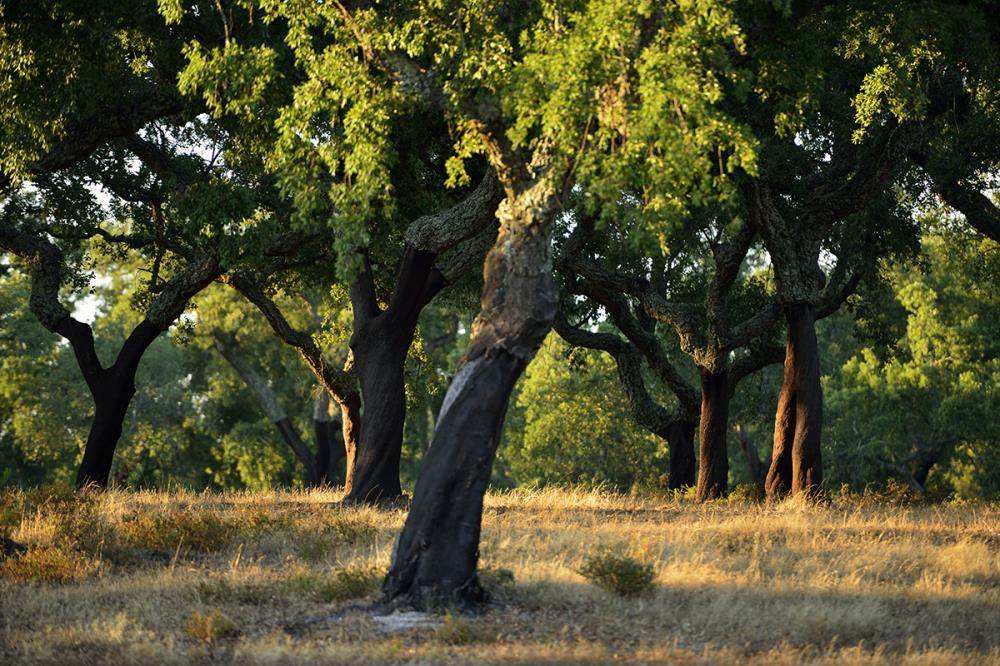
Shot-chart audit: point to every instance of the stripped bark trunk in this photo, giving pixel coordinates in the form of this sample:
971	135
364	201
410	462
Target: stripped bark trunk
713	459
779	475
807	469
437	552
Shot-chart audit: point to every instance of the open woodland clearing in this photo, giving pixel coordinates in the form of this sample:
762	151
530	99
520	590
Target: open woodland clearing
141	577
318	317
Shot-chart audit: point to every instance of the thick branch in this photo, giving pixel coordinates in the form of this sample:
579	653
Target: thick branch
645	410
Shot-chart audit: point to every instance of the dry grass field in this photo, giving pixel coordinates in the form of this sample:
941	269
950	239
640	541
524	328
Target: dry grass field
286	578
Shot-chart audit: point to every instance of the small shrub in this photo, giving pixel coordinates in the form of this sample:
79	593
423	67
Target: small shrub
210	626
496	579
47	564
620	574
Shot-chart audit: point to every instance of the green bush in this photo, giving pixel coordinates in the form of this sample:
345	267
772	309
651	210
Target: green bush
619	574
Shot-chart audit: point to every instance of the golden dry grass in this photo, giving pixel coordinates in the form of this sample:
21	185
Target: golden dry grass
255	578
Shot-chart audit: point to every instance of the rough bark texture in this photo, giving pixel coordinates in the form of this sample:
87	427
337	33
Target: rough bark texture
676	428
438	550
713	459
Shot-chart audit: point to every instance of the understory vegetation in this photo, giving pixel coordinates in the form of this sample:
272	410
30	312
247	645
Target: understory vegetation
286	578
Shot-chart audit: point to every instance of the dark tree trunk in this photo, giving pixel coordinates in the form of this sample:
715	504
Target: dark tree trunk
807	465
379	358
329	449
779	475
754	464
111	404
112	390
713	459
437	553
680	440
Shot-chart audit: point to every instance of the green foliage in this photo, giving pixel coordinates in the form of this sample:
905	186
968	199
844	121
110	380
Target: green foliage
934	399
577	429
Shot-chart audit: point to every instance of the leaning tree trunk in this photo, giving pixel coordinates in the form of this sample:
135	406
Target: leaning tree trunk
379	358
807	465
713	459
779	475
680	441
437	553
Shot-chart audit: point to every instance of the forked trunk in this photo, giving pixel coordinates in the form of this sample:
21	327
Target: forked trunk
779	475
680	440
112	390
713	459
437	553
807	465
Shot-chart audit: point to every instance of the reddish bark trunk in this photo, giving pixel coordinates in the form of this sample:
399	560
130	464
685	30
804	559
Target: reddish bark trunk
779	474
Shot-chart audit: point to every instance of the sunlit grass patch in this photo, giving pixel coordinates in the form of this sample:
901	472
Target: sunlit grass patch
48	564
201	530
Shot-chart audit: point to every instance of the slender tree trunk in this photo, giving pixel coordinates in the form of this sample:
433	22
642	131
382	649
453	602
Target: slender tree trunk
713	459
807	464
680	440
111	403
437	552
379	358
754	464
779	475
329	446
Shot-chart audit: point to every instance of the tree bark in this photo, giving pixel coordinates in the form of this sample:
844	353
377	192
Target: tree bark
713	460
437	553
754	464
807	465
680	440
112	390
779	475
379	357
